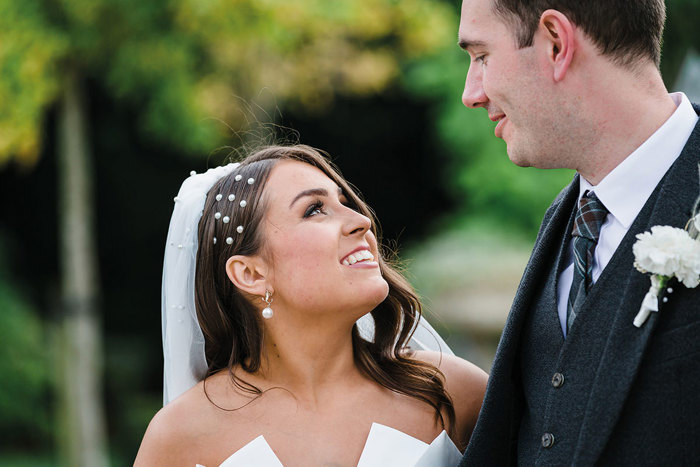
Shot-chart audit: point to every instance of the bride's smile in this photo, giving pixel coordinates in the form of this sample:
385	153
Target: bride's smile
322	254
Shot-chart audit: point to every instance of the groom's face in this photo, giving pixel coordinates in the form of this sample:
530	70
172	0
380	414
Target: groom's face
510	83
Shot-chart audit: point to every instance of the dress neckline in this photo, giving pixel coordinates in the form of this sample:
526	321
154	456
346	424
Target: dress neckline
384	446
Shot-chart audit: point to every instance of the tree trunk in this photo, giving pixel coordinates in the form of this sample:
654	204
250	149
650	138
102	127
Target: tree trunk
83	424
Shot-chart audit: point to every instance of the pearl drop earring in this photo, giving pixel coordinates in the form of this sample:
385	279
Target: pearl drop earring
267	311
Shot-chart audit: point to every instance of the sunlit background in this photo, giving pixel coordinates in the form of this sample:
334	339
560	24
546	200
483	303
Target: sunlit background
105	107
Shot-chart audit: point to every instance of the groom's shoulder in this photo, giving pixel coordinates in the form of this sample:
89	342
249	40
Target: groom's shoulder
573	185
558	200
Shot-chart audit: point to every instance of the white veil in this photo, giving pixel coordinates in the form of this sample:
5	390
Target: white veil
183	342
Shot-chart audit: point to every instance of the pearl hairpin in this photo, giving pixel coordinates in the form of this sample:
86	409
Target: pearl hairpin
238	177
218	197
193	173
226	219
217	216
239	229
231	197
229	240
214	240
243	203
251	180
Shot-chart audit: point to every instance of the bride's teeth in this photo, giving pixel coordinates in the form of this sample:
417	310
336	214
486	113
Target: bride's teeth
358	256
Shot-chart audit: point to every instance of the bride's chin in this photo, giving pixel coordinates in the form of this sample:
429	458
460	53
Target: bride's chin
377	295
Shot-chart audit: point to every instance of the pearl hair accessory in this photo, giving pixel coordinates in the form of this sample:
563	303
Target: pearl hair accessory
267	311
226	219
193	173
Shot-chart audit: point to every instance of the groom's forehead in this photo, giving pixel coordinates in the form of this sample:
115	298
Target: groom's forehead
480	24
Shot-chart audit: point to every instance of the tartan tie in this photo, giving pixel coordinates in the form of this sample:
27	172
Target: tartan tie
589	217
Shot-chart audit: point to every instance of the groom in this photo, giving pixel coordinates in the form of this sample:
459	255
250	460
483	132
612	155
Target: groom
576	84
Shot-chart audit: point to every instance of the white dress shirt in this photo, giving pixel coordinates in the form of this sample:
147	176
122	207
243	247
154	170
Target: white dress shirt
626	189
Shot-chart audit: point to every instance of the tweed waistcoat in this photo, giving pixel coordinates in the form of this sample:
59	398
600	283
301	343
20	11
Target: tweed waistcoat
556	373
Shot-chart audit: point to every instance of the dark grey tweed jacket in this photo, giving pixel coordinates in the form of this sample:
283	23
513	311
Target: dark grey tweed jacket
631	395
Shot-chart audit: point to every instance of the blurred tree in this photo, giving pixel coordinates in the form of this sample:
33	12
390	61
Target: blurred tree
179	62
680	35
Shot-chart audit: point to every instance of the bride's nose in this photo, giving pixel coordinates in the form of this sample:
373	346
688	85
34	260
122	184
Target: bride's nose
355	223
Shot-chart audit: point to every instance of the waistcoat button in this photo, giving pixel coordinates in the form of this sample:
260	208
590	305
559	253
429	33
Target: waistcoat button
557	380
547	440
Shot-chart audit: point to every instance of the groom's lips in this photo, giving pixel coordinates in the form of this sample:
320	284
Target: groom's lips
501	119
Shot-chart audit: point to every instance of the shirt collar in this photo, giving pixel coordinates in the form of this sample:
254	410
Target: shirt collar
625	190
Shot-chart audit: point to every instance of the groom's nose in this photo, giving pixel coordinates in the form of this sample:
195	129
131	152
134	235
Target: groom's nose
474	95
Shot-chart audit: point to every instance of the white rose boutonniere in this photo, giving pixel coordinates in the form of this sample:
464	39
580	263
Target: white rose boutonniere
667	252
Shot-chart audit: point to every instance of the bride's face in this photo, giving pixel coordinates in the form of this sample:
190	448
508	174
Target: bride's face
322	253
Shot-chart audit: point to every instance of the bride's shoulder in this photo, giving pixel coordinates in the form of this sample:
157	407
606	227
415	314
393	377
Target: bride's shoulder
184	424
464	382
172	429
458	371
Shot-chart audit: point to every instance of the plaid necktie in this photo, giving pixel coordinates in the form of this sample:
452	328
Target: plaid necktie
589	217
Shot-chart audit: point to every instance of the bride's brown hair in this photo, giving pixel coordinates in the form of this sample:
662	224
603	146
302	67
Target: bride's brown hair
232	326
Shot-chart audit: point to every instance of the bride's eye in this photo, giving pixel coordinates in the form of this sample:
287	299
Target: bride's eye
314	209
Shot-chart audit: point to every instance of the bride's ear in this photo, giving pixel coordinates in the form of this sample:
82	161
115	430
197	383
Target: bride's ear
248	273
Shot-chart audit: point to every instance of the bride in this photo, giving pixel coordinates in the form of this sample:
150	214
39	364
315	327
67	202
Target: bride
266	363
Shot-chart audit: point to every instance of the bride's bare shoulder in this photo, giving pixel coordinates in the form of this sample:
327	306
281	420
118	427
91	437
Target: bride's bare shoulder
457	371
464	382
178	431
170	434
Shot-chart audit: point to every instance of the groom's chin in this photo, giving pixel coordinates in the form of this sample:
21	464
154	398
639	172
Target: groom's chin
519	159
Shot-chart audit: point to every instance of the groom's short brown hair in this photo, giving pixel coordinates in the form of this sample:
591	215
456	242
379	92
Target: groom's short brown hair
624	30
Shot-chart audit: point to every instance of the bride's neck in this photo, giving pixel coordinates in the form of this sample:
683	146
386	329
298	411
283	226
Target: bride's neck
308	358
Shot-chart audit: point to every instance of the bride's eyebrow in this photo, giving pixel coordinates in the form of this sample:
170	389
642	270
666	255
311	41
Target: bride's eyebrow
313	192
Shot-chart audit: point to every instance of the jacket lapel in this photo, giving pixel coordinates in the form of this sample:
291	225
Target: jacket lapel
496	430
499	414
670	204
542	259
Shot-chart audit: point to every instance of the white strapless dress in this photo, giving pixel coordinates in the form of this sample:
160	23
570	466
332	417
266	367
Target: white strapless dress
385	447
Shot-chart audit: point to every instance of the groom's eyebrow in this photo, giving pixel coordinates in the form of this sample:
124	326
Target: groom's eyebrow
467	44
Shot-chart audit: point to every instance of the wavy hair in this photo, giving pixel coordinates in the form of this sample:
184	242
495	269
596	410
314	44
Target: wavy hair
231	325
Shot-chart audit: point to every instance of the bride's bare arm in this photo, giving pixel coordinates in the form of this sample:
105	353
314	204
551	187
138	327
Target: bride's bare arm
466	385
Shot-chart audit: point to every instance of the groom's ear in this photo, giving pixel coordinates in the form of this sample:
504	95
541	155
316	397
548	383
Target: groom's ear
559	39
248	274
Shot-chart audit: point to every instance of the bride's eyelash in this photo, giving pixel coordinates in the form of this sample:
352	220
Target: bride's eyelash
316	206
